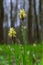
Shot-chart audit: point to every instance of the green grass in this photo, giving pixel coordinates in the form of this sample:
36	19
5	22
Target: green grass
21	54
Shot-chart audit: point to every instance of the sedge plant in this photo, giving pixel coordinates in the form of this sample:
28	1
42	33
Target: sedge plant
12	33
22	16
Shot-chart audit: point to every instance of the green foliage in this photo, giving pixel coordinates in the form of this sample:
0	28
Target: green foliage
21	54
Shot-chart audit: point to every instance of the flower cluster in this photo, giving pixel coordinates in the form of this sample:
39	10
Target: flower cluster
12	32
22	14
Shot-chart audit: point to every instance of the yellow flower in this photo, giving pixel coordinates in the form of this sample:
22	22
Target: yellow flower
22	14
12	32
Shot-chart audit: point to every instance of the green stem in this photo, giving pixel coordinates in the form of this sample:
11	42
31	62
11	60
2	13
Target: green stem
24	60
12	40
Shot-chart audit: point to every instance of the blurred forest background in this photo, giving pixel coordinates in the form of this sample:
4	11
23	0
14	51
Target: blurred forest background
33	23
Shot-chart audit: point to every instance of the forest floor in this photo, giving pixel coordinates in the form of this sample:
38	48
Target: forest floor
18	54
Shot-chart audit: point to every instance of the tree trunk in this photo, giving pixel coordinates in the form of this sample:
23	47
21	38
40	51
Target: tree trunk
36	31
1	20
11	14
41	17
30	22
